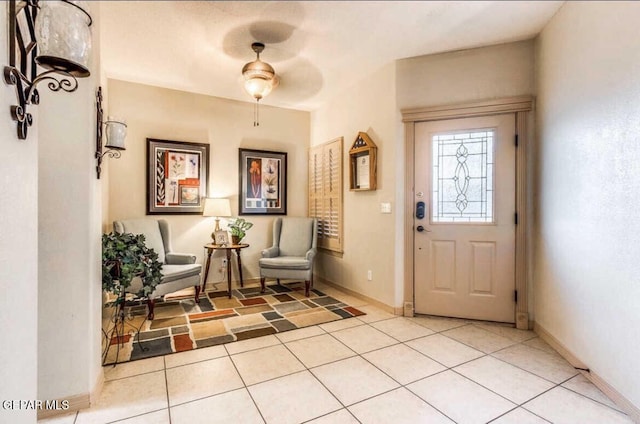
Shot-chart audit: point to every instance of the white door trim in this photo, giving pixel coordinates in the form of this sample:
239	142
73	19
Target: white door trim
521	106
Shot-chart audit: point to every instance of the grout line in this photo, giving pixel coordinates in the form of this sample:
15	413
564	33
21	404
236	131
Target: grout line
166	387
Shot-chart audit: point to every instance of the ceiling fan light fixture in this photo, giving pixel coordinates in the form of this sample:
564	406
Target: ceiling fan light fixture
259	78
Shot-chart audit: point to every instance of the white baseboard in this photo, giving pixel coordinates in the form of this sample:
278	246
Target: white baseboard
627	406
77	402
392	310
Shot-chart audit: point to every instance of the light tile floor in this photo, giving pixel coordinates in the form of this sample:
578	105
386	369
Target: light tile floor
376	368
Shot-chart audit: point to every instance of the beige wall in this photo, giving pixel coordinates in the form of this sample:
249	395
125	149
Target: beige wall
18	253
369	236
373	240
587	267
226	126
69	261
503	70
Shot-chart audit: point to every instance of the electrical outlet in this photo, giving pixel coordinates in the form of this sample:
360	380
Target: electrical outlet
224	262
369	275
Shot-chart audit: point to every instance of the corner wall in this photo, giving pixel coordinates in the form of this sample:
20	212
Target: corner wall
226	125
18	252
370	237
587	253
70	251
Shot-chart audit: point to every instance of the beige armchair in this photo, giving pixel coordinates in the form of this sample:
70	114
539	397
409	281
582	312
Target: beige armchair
179	270
293	251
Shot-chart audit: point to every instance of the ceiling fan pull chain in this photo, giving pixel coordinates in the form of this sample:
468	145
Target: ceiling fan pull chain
256	115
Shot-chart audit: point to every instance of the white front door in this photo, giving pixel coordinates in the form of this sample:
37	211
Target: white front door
464	220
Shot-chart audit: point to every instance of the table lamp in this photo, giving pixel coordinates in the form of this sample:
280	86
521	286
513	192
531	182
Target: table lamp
218	208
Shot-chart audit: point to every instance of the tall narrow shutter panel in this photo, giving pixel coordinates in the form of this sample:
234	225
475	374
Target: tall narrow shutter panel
325	193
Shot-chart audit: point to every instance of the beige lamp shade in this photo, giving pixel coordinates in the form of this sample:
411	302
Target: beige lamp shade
216	207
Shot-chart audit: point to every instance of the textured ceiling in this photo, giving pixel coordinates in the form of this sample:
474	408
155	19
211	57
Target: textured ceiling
317	48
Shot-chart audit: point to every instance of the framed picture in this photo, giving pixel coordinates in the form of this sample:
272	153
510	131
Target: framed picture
177	175
221	238
263	182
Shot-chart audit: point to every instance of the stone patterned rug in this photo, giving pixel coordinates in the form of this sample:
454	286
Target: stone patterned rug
181	324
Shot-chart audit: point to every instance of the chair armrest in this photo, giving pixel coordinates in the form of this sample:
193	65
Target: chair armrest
271	252
179	258
311	253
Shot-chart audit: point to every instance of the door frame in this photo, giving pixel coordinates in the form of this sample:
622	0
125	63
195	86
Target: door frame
521	107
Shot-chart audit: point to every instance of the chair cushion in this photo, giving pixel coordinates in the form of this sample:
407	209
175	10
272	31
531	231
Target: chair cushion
296	236
150	229
178	272
285	262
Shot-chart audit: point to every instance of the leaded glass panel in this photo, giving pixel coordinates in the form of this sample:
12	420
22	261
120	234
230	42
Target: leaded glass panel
463	176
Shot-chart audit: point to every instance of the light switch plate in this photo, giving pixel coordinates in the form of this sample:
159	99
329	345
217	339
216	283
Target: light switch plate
385	207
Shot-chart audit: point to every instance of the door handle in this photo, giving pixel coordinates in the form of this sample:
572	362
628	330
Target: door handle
420	229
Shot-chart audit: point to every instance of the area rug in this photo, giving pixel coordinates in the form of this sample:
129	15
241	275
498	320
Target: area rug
181	324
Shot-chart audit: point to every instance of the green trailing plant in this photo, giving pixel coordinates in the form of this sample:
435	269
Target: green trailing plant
124	257
239	227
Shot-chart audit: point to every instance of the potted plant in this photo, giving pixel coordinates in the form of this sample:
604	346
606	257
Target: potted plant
125	256
238	228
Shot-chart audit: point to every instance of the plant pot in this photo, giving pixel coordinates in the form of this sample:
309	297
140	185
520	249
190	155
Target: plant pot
235	239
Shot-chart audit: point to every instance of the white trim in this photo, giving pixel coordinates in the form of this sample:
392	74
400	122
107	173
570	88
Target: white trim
360	296
468	110
625	404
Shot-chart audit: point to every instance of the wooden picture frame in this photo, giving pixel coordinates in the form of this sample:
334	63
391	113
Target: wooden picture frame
263	182
221	238
363	164
177	177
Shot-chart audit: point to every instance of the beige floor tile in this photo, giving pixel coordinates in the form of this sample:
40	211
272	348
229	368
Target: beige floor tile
196	355
293	399
68	418
508	331
519	416
399	406
226	408
540	344
264	364
444	350
319	350
353	380
127	397
330	327
581	385
339	417
538	362
560	405
511	382
157	417
403	364
438	323
129	369
460	399
373	314
479	338
207	378
364	338
402	329
300	333
251	344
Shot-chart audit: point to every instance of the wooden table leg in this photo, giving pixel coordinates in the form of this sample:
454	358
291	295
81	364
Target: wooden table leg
229	270
206	269
239	267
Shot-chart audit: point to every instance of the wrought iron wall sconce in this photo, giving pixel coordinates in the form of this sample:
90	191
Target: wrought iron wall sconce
60	31
116	131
